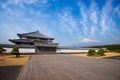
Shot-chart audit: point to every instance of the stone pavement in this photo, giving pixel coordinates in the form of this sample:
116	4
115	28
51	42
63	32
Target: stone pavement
68	67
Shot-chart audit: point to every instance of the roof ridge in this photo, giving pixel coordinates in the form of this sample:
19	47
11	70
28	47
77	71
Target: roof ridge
37	32
32	32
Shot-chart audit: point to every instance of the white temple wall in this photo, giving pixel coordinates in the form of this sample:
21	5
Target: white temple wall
25	50
21	50
72	51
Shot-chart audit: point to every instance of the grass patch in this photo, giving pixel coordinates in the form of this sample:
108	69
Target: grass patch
107	54
11	60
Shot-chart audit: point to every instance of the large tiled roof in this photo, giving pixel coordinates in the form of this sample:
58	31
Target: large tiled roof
35	34
21	40
20	46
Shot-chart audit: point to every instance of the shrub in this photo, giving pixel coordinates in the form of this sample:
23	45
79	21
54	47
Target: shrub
15	51
94	53
117	51
100	52
2	49
91	52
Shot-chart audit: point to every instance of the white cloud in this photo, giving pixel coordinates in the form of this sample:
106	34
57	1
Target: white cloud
117	10
84	17
9	31
93	21
105	17
87	40
94	16
14	20
44	1
89	18
98	21
17	2
107	22
21	3
94	13
67	21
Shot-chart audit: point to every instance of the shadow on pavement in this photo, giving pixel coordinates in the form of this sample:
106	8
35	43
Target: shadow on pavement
115	57
9	72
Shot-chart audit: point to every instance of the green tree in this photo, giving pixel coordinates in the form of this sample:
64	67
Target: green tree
91	52
15	51
101	52
2	49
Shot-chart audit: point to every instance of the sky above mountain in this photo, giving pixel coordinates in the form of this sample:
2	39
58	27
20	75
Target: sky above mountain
71	22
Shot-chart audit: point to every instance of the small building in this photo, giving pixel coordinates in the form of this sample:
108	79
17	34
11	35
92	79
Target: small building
42	43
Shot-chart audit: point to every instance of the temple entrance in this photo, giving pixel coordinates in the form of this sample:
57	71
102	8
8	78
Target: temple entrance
45	49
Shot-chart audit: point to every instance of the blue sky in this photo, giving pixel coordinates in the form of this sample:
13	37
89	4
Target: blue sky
71	22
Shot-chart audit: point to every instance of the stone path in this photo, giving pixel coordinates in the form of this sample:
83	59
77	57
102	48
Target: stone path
68	67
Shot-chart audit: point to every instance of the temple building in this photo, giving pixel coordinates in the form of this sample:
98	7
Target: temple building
42	43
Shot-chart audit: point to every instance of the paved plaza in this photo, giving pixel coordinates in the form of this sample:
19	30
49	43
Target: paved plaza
69	67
